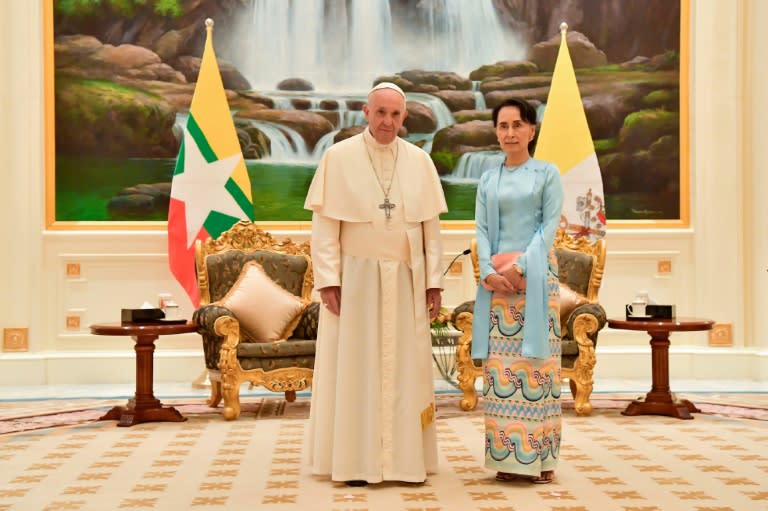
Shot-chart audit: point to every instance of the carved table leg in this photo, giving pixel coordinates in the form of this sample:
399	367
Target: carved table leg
144	406
660	400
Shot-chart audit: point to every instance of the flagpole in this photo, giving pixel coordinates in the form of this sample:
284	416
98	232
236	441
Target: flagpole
203	381
565	140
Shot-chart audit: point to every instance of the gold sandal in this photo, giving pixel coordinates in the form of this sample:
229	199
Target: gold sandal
546	477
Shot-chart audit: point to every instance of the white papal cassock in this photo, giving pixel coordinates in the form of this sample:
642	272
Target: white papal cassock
372	414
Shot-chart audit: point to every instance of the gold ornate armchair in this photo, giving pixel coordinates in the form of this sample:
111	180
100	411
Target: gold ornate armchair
233	354
581	265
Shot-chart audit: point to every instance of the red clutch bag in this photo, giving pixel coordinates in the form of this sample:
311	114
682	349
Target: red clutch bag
503	264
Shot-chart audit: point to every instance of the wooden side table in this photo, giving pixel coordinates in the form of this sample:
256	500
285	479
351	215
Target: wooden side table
144	406
660	400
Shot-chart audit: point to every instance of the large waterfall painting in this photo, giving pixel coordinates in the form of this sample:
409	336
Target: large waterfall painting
121	75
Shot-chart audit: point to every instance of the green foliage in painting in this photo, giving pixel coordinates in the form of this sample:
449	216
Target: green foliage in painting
654	118
606	145
445	159
672	57
125	8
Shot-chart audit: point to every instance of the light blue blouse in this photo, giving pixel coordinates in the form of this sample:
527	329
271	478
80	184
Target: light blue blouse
517	210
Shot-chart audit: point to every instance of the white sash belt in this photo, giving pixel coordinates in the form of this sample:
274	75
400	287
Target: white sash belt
359	239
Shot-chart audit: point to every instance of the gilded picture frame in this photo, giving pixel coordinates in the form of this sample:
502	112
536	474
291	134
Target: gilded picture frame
53	162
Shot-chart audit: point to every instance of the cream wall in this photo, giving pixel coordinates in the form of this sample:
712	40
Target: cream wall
719	264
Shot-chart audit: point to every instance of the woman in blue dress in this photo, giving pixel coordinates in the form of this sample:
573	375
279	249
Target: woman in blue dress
516	327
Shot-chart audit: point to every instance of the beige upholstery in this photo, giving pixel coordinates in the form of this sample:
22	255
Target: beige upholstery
581	265
234	355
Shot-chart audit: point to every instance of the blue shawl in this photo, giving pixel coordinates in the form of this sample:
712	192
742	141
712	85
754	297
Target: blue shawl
536	322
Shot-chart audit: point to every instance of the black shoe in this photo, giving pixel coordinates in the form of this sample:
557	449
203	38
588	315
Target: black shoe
357	482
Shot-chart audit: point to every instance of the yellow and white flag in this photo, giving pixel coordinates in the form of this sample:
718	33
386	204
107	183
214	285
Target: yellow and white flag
565	141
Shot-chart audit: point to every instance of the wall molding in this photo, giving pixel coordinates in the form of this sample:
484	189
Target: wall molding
173	366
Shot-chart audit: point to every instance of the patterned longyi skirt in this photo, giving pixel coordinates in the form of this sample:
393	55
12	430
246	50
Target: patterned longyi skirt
521	395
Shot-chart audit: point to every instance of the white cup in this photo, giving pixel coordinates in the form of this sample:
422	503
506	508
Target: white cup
171	310
162	298
636	309
641	296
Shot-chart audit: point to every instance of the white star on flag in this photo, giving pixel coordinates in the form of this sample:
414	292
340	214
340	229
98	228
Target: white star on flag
202	187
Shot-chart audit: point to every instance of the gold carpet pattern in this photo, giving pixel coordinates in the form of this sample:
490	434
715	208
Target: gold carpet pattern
608	462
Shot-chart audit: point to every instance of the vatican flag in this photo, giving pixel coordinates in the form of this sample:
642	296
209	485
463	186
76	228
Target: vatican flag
565	141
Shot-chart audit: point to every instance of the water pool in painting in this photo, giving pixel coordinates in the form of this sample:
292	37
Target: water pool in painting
84	187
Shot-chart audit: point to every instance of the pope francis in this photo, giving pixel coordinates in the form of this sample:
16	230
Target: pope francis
376	254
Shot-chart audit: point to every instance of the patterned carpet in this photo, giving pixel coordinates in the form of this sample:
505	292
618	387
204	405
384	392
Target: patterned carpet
18	416
608	462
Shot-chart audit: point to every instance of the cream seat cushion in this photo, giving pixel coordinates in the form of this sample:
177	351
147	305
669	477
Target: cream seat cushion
265	311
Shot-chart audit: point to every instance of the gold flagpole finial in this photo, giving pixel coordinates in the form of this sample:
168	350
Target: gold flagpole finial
208	24
563	26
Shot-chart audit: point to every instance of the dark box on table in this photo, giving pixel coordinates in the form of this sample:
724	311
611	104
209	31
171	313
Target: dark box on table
653	311
141	315
660	311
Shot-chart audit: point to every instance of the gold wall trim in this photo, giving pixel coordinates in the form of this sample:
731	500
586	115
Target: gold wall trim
449	225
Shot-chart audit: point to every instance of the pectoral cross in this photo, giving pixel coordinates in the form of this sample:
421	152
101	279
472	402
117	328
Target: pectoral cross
387	207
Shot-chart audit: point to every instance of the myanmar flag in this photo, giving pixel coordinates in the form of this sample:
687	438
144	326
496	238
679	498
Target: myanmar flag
565	141
210	189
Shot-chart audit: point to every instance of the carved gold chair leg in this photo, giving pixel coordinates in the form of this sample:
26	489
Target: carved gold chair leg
215	398
467	372
583	368
229	328
581	393
572	385
231	392
469	401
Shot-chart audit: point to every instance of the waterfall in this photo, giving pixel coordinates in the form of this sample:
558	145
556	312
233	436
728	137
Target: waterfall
326	42
348	117
479	97
443	116
369	41
286	144
281	101
343	45
324	143
455	35
471	166
180	125
284	40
